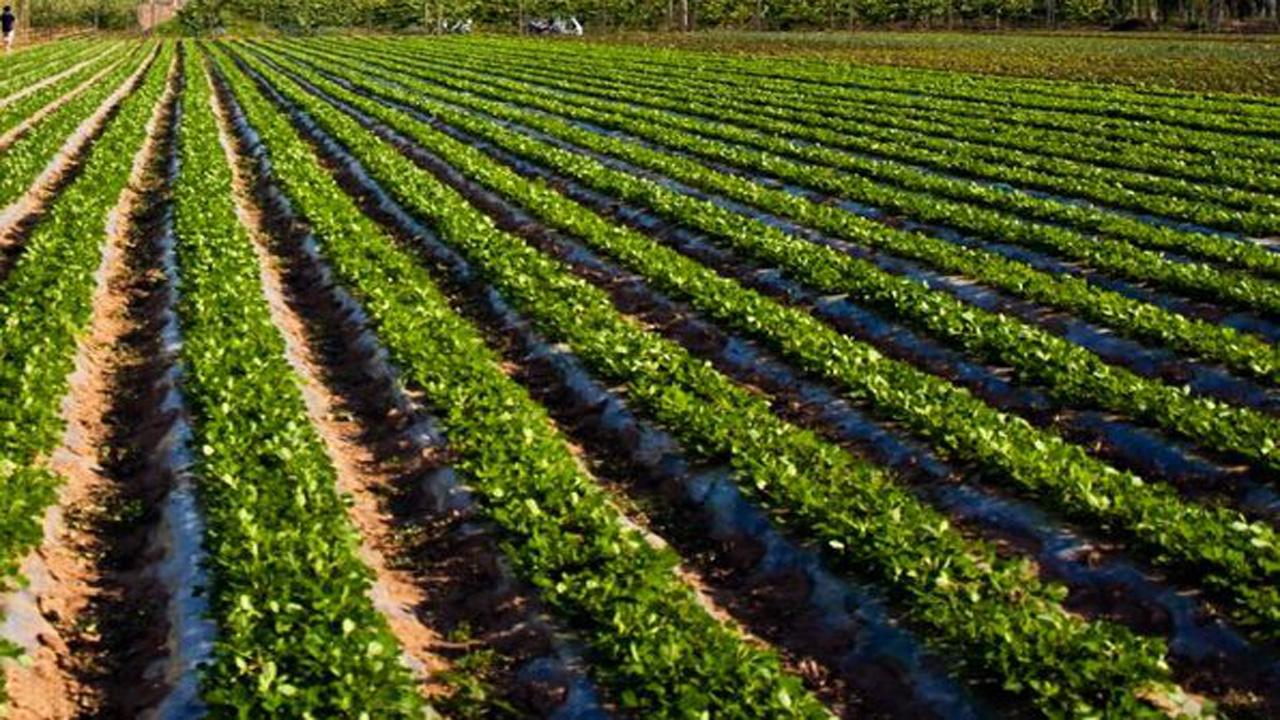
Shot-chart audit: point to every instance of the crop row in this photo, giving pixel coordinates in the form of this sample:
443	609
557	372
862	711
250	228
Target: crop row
878	108
41	61
1036	461
892	155
14	113
1117	258
1243	172
1242	352
45	303
660	653
1145	132
1009	625
26	67
1075	374
24	160
996	94
1105	100
1214	204
297	631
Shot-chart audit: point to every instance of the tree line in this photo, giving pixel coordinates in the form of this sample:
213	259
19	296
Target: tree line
621	15
101	14
853	14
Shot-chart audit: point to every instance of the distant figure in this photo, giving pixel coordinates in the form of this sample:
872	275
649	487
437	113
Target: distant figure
457	27
7	21
556	26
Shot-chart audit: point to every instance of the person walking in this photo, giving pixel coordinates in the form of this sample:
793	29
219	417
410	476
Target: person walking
7	21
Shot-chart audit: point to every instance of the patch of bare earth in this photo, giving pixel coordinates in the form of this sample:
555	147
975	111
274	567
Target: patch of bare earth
104	609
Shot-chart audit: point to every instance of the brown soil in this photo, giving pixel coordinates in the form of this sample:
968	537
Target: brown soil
105	614
632	513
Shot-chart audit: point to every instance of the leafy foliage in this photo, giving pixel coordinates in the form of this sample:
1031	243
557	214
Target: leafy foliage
873	525
1048	359
654	646
101	14
1249	354
1242	554
676	134
28	156
45	304
298	633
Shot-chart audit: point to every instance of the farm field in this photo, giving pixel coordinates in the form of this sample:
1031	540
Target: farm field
483	377
1199	62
